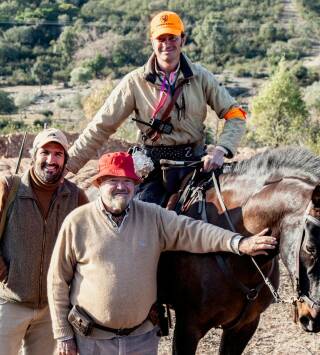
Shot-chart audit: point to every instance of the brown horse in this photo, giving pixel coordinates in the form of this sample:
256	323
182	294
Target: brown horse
279	190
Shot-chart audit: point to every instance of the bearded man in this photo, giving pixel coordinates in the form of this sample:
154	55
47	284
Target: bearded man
104	264
42	201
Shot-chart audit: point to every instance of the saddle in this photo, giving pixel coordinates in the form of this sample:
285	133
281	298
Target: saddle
194	187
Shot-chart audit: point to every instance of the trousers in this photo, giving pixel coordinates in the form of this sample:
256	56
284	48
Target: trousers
144	344
25	330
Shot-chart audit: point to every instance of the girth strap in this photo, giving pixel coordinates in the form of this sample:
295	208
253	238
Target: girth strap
250	293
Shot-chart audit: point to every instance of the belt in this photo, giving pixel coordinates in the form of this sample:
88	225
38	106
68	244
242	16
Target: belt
152	317
173	152
120	331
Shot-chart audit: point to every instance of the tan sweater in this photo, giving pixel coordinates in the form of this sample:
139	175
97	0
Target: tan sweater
139	93
112	271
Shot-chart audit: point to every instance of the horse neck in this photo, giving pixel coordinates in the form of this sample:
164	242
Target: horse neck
256	204
236	191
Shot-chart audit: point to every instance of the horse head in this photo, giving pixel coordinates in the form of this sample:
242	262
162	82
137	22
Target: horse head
307	273
285	197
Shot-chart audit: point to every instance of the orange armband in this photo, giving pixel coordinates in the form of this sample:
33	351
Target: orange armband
235	112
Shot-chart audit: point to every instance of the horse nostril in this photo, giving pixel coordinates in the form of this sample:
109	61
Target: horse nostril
304	320
308	324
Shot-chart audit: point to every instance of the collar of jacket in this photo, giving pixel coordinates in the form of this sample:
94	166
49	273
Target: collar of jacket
150	71
25	188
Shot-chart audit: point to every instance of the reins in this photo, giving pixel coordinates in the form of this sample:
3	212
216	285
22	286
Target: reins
266	280
191	193
300	296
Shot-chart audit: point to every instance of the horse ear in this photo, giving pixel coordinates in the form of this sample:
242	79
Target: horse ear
316	196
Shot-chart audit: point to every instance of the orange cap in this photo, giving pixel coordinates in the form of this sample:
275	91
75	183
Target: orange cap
166	22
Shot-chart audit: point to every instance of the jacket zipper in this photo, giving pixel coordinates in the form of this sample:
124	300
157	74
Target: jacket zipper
43	248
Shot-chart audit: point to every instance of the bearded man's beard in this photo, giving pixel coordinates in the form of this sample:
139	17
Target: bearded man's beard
48	173
118	203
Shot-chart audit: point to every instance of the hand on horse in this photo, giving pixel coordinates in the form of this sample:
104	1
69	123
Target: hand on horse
257	244
67	347
213	160
3	270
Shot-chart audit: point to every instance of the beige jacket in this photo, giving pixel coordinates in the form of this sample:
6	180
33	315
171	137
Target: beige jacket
139	93
112	271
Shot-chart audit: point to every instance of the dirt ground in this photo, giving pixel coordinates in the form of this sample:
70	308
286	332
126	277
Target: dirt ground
276	335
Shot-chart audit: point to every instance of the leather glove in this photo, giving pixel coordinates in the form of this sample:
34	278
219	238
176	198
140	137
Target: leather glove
213	160
3	270
67	347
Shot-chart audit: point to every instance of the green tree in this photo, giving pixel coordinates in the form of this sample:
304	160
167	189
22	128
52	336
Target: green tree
312	98
42	71
67	44
128	52
6	103
279	114
80	75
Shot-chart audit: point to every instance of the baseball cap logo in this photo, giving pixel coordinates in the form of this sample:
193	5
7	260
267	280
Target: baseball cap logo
164	18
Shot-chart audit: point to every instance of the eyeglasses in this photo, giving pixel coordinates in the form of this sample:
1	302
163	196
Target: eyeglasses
169	38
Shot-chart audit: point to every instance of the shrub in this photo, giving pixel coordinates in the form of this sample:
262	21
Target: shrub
305	75
95	100
41	123
80	75
312	98
4	123
6	103
23	100
279	114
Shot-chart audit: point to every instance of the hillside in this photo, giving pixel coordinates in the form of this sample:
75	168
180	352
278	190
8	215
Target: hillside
54	54
44	41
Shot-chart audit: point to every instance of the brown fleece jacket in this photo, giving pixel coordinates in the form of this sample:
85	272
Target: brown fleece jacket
30	233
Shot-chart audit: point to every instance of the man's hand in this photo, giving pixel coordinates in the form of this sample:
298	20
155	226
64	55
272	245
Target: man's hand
67	347
213	160
257	244
3	270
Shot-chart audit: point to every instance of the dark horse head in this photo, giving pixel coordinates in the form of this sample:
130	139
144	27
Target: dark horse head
278	189
287	186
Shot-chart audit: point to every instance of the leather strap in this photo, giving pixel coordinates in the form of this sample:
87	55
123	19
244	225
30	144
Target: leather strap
153	134
120	331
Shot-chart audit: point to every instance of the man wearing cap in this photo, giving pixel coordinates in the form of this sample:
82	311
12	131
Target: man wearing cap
104	264
169	97
42	201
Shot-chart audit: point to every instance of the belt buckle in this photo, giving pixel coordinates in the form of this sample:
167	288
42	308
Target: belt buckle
121	332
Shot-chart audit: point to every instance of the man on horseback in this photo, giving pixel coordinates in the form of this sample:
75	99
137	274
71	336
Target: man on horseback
169	97
104	265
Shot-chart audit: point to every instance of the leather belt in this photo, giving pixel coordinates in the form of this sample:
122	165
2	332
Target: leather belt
120	331
175	152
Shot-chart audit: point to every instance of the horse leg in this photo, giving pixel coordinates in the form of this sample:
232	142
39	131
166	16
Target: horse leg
185	338
234	341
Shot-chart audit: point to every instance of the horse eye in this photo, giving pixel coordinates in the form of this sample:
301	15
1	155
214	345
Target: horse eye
311	250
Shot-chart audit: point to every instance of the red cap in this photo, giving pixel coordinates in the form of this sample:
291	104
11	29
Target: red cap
119	164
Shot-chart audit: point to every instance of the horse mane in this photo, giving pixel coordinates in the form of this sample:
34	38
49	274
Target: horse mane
281	162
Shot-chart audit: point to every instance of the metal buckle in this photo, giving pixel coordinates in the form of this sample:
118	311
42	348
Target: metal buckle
121	332
252	294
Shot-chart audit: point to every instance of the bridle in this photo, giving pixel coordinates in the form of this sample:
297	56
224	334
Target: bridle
300	296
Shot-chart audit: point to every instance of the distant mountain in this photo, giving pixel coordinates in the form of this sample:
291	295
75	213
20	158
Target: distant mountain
44	40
